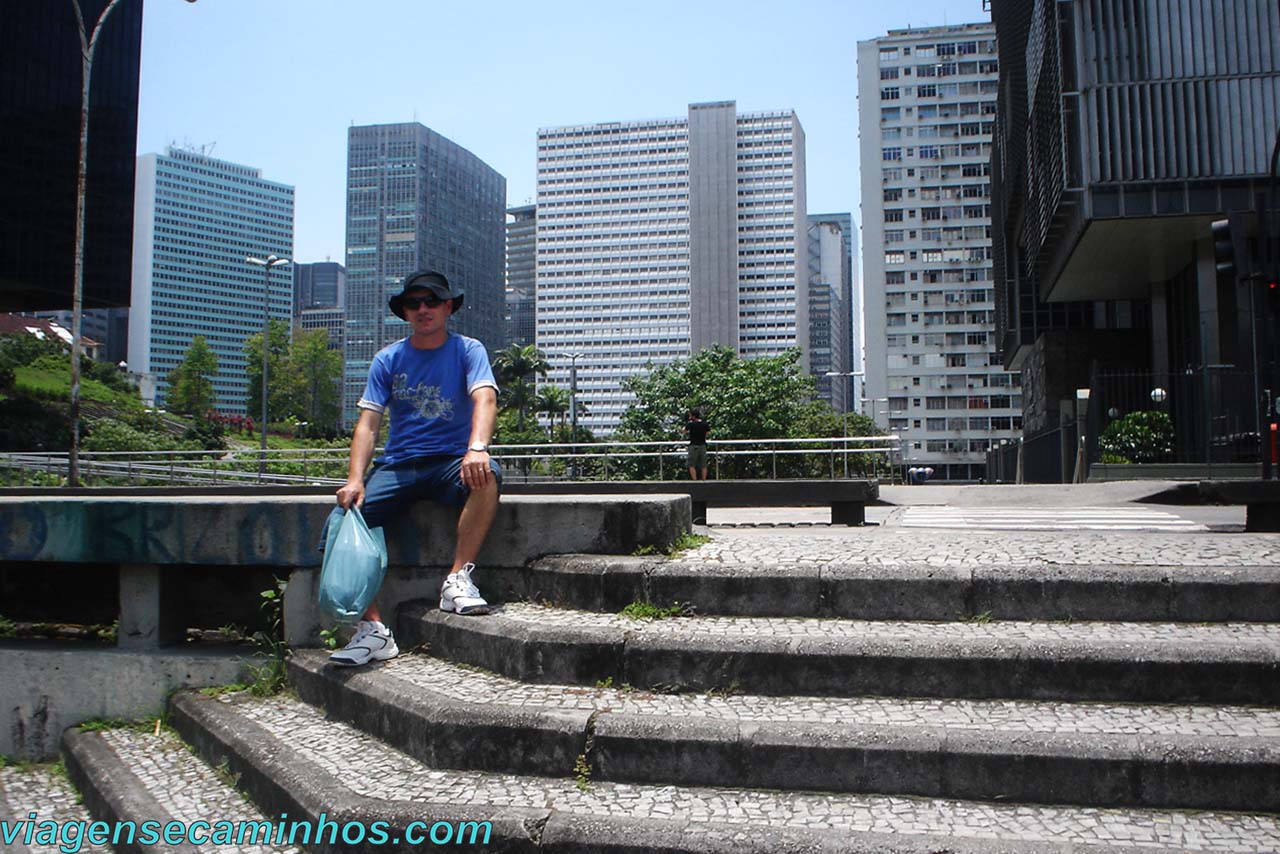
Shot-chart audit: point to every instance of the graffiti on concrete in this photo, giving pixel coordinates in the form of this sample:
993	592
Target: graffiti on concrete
78	530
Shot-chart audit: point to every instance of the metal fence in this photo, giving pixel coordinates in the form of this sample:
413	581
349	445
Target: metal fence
1213	415
838	457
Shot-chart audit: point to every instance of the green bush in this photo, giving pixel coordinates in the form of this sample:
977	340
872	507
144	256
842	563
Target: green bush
207	434
1141	437
111	435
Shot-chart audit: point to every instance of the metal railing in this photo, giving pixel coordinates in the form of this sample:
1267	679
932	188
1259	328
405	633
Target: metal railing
837	457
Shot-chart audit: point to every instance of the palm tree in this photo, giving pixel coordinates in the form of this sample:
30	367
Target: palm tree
516	367
553	400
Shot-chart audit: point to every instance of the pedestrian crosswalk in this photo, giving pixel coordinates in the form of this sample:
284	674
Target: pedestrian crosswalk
1113	518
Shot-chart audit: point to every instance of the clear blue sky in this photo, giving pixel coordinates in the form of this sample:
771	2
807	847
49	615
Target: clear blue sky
275	83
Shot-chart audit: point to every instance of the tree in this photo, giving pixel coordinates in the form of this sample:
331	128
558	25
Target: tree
191	389
280	383
553	400
314	373
516	367
763	398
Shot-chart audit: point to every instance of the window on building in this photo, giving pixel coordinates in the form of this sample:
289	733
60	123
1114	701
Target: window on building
891	153
889	93
890	73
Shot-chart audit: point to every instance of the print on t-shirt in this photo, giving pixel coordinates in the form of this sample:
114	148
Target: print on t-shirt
427	401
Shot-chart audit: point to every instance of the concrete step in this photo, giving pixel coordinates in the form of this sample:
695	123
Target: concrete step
769	584
138	783
1131	662
1089	754
31	795
291	759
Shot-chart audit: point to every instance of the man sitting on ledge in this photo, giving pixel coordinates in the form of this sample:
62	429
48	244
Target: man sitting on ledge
439	390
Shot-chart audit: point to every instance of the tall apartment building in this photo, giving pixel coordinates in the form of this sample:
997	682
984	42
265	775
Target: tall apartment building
927	102
831	315
416	200
522	280
656	239
196	219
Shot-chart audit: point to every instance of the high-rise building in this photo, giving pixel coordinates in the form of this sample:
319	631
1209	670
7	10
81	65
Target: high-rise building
416	200
1124	131
927	102
522	282
831	314
40	92
319	299
196	220
321	284
656	239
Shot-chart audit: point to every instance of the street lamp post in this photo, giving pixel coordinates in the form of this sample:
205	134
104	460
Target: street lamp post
266	264
873	401
573	408
88	46
848	375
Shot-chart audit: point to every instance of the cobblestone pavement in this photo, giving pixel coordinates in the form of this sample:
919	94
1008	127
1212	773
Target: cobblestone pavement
1228	635
346	752
471	686
185	787
47	792
924	547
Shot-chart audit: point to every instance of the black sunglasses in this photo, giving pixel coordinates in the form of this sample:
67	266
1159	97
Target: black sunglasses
412	303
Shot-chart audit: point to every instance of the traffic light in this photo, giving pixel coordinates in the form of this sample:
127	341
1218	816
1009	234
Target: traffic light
1271	287
1228	246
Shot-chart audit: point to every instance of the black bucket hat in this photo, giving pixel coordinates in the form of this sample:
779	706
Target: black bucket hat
428	280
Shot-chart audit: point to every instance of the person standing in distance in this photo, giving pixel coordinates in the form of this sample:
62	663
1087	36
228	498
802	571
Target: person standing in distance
697	428
438	389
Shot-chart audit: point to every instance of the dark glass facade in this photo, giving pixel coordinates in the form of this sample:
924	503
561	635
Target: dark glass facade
416	200
40	87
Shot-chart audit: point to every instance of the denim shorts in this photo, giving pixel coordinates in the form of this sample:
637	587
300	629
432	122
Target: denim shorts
390	489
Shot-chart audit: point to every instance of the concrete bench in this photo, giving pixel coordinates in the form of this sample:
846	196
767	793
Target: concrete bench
846	498
1260	497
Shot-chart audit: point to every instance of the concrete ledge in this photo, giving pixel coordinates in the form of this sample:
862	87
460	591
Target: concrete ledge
911	592
148	539
49	687
847	498
284	531
1002	665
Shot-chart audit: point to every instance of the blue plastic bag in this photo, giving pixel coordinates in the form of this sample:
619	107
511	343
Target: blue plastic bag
355	562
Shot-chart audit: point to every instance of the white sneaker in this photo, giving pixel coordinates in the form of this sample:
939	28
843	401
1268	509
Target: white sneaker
460	593
371	642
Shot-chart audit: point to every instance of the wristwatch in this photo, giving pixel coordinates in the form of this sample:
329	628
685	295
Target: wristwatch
478	446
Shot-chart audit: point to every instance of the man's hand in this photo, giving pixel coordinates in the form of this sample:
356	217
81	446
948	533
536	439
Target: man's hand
476	473
351	494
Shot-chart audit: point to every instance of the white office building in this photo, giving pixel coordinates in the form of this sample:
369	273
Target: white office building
656	239
195	221
927	101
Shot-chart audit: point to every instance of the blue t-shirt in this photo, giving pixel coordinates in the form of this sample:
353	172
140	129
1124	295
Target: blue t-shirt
427	394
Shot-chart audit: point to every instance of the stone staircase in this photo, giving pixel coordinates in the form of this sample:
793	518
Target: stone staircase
845	704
